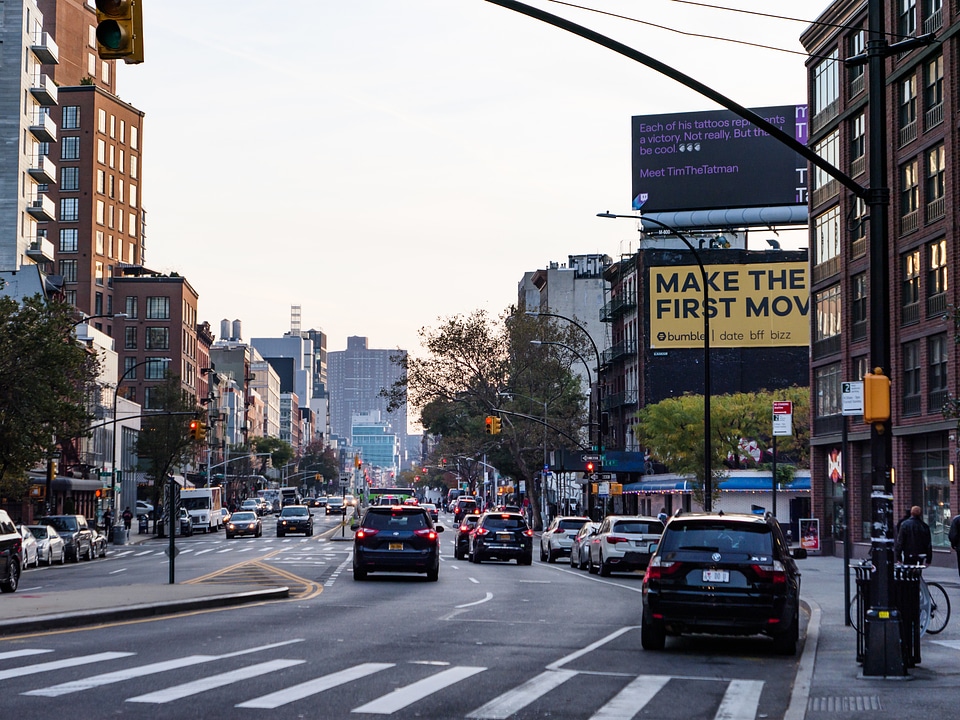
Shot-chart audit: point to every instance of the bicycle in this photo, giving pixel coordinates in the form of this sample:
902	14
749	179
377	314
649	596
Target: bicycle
934	607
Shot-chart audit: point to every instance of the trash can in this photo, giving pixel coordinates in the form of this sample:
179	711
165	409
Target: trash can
906	597
143	524
119	535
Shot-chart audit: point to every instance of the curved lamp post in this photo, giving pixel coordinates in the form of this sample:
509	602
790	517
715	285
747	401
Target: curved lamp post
705	282
116	423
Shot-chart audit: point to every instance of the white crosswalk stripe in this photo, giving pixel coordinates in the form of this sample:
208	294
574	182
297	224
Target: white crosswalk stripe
740	701
401	697
518	698
26	652
59	664
312	687
195	687
120	676
632	699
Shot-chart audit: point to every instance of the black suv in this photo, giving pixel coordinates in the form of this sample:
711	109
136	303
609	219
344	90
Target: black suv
725	575
77	538
398	538
503	536
11	554
461	545
295	519
464	506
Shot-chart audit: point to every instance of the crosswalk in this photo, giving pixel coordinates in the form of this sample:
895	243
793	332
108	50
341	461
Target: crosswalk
245	547
375	688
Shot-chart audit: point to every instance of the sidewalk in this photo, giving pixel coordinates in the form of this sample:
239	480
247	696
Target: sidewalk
830	679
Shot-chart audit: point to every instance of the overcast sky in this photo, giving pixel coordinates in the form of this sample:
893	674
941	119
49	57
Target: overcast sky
383	163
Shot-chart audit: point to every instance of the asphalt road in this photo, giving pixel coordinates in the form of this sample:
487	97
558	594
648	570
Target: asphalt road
490	641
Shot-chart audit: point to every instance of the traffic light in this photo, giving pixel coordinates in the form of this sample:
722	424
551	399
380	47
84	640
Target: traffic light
194	432
590	467
201	430
488	423
496	425
876	397
120	30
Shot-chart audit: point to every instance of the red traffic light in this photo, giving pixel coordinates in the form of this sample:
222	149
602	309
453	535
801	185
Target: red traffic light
589	467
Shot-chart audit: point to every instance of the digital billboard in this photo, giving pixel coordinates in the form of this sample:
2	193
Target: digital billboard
717	160
755	305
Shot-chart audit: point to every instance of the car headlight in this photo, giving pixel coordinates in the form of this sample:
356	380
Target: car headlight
231	526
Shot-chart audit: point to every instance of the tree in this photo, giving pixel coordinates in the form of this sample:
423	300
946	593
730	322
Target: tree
164	442
672	430
322	461
477	366
281	452
44	377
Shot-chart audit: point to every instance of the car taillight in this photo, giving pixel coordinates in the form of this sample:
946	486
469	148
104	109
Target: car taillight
614	539
659	568
559	531
528	532
464	528
481	531
365	533
775	573
427	533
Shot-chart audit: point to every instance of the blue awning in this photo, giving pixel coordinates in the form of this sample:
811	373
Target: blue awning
658	486
732	483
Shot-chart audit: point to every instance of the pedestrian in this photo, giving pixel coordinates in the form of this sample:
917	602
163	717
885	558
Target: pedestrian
127	517
107	521
914	545
954	536
662	515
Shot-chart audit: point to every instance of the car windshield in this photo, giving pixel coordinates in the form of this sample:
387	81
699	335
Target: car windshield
64	524
196	503
40	533
755	539
395	521
571	524
294	512
243	517
645	527
499	522
335	501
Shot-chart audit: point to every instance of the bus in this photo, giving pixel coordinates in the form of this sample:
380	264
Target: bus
404	493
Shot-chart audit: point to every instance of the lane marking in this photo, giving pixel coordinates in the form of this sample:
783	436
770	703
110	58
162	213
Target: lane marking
404	696
58	664
114	572
591	647
195	687
633	698
22	653
740	701
312	687
474	581
515	700
488	598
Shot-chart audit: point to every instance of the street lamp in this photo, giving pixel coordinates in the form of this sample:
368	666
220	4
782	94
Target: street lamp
705	282
84	318
595	447
116	426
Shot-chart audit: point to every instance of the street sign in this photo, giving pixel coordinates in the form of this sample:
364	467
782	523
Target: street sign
344	482
604	489
176	551
590	458
851	398
783	417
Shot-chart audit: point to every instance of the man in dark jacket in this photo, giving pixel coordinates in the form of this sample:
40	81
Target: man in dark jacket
954	536
913	545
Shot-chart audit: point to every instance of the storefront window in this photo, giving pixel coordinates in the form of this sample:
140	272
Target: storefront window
931	481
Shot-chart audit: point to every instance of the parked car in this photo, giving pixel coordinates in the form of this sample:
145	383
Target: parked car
49	543
557	540
295	519
98	541
144	508
461	547
244	522
722	574
432	511
184	526
31	549
580	546
75	533
503	536
398	538
11	554
623	543
225	515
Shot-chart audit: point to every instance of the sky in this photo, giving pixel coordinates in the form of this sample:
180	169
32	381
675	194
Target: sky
385	164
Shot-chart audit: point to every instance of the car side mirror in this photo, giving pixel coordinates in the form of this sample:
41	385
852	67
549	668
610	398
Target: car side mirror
654	547
438	528
799	553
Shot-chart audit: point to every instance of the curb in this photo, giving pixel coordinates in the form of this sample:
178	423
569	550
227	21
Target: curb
800	695
96	616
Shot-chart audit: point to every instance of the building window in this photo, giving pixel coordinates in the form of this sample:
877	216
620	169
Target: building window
859	305
98	242
858	227
932	15
856	46
70	148
933	92
158	308
861	366
68	240
70	119
130	338
909	197
908	109
101	212
130	307
937	278
155	369
133	166
937	372
906	17
98	303
134	137
157	338
827	247
910	286
827	308
934	188
101	152
98	273
826	86
70	296
930	461
68	269
69	179
151	398
829	150
911	378
858	144
130	368
69	209
827	387
102	120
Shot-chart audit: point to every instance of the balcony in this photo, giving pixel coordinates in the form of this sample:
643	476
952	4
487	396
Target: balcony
908	133
44	89
822	118
827	269
859	330
618	352
936	209
858	165
910	313
827	191
936	400
934	22
616	307
42	169
826	346
615	400
42	208
933	116
43	128
41	250
858	248
909	222
937	305
911	405
857	85
45	48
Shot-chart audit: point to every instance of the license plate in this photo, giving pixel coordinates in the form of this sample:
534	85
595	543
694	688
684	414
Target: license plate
396	546
504	536
716	576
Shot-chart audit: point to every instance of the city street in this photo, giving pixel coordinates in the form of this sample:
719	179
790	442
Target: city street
494	640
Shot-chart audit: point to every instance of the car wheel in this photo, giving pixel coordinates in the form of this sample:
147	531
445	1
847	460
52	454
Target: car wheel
653	636
63	556
310	532
259	533
575	558
525	560
49	557
786	643
434	573
591	568
475	558
12	581
551	556
457	554
543	555
359	574
603	570
229	536
279	534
